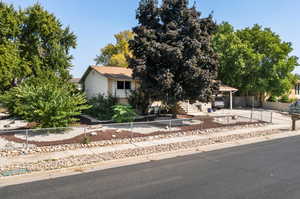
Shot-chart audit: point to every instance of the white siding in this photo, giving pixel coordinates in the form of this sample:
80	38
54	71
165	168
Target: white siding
95	84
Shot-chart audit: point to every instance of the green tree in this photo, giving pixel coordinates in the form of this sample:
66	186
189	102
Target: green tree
173	56
116	54
255	60
32	41
47	100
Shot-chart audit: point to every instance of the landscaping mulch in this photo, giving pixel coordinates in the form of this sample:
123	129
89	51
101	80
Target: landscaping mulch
207	123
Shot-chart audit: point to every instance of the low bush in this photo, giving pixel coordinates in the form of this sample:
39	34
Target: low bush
86	140
284	99
123	113
102	107
272	99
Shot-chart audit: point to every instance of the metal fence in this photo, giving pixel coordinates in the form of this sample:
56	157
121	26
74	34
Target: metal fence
24	139
261	115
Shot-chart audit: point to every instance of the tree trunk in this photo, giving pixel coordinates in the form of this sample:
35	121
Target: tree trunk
174	110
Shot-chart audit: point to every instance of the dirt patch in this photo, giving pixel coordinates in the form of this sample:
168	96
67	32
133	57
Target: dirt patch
207	123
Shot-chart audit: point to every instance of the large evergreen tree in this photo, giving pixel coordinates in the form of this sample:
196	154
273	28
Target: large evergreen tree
173	56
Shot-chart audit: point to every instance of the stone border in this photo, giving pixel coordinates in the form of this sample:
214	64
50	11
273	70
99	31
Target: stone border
58	148
81	160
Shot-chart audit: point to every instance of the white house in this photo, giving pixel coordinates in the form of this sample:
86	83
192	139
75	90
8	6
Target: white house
108	80
118	81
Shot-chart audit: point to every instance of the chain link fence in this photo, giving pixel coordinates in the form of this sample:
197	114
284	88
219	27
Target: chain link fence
27	138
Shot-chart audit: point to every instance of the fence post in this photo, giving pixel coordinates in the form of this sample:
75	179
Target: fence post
131	127
271	116
261	116
251	115
26	139
170	125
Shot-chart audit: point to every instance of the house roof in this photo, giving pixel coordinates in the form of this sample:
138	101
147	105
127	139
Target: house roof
114	72
75	80
225	88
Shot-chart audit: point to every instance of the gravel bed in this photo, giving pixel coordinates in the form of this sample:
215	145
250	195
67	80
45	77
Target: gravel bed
72	161
65	147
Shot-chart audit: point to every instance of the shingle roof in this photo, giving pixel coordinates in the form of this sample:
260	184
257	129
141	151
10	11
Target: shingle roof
114	72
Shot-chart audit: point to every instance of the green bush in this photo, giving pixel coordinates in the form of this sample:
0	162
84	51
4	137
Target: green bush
50	102
123	113
284	99
102	107
272	99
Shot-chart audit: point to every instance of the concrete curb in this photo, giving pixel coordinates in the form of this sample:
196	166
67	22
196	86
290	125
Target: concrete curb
43	175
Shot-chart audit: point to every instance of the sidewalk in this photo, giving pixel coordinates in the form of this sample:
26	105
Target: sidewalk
229	134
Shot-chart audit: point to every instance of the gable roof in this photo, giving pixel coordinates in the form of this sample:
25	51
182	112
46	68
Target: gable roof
110	72
114	72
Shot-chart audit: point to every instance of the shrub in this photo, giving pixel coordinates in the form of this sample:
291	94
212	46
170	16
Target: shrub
123	113
102	107
272	99
50	102
86	140
284	99
139	100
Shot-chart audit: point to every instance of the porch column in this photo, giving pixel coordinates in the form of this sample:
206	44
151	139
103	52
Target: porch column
230	100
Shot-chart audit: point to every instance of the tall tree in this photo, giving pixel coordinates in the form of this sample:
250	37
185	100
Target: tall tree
116	54
32	41
173	55
255	60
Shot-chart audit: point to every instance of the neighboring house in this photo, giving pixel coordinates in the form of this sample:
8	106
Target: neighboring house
76	81
108	80
295	92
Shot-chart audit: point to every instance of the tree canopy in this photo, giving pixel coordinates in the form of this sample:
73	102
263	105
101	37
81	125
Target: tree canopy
32	40
255	60
116	54
172	52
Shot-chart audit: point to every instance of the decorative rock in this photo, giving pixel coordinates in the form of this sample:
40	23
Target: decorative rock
94	134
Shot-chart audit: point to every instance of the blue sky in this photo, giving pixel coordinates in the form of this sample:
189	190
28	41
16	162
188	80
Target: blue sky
96	21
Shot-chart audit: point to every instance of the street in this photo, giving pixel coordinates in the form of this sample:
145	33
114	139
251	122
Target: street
263	170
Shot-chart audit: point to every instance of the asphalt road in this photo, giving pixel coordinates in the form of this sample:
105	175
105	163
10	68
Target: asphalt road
258	171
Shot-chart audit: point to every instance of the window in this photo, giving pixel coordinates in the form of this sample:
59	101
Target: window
121	85
297	89
127	85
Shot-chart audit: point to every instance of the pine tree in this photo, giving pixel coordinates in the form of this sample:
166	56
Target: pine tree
173	55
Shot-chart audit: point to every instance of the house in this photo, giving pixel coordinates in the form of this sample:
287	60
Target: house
118	81
295	91
76	81
108	80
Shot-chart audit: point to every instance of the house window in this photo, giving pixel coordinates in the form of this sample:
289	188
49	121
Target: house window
297	89
127	85
121	85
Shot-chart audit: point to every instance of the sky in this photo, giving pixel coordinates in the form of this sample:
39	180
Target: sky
96	21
